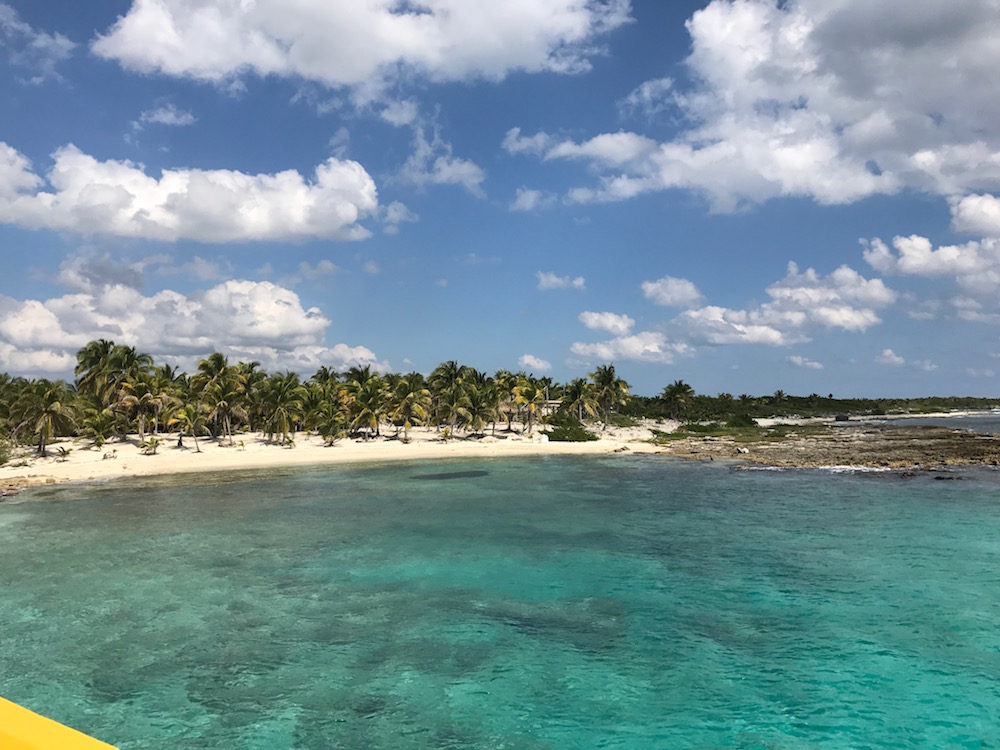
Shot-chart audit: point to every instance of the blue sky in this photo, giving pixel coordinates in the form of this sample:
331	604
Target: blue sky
749	195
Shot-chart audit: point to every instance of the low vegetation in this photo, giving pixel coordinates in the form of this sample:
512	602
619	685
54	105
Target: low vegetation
679	401
566	428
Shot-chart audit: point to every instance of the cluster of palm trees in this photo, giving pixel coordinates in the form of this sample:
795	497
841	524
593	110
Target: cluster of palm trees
119	391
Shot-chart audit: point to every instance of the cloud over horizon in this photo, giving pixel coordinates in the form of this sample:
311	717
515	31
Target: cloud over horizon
249	320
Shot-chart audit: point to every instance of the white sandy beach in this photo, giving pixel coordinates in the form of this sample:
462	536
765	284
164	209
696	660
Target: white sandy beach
252	451
124	458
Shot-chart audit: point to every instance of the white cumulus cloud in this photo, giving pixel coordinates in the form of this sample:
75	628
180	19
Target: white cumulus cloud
834	100
548	280
397	213
644	346
619	325
975	265
718	325
802	300
800	303
648	98
526	199
515	143
84	195
672	292
243	319
889	357
362	45
433	163
532	363
977	214
809	364
37	52
168	115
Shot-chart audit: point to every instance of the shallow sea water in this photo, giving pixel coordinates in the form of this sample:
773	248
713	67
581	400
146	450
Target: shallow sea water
551	603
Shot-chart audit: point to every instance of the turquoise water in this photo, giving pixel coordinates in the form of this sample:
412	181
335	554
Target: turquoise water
571	603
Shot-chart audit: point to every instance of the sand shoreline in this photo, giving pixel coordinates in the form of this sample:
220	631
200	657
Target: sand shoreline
860	443
252	452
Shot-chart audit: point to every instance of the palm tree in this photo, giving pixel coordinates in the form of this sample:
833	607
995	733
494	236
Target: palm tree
444	382
281	401
446	376
92	369
482	406
530	396
369	405
212	369
98	424
253	386
546	384
452	407
411	402
224	399
139	395
324	375
329	420
315	396
167	373
506	382
358	376
46	409
676	397
124	363
167	382
10	388
191	419
579	397
611	391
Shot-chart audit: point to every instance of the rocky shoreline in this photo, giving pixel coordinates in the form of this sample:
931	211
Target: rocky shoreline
867	446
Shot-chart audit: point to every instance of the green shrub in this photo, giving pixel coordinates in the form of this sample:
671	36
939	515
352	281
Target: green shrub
565	428
616	419
741	420
149	445
5	448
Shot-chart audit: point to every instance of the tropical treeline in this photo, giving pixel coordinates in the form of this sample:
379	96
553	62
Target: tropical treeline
119	391
679	401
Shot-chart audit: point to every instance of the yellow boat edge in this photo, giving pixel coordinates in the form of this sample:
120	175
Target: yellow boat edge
22	729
